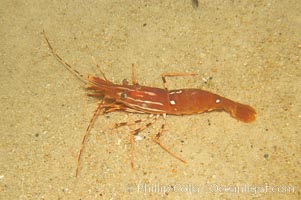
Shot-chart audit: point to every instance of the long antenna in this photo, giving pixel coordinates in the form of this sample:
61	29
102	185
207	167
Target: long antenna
66	65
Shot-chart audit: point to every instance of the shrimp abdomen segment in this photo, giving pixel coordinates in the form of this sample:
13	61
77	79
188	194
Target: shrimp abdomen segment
192	101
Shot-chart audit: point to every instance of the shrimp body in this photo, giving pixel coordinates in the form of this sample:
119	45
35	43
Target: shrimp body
153	100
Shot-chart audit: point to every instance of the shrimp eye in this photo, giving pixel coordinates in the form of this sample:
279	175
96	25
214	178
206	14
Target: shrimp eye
123	95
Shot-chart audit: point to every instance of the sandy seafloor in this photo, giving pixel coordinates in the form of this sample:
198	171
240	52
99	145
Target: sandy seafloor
248	51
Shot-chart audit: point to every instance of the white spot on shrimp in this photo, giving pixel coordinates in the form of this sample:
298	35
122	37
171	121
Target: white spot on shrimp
172	102
217	101
150	93
177	92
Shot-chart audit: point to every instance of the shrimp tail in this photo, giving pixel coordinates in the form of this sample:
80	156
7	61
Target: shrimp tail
242	112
